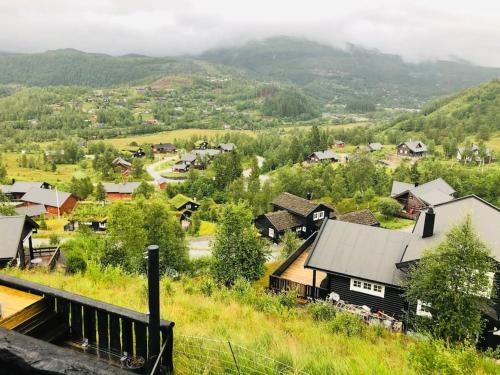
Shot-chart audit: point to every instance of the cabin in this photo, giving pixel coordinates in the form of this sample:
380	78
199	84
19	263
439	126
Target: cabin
55	202
475	155
320	156
201	145
19	188
414	197
47	330
375	146
188	159
121	191
412	149
33	211
181	167
227	147
185	205
365	265
139	153
163	148
124	166
308	214
338	144
365	217
16	233
89	215
205	156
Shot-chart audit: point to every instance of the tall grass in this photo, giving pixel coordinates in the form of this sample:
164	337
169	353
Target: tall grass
310	339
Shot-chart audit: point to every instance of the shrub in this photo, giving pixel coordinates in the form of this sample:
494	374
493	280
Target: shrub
347	324
75	263
166	286
288	298
54	239
388	207
207	286
321	311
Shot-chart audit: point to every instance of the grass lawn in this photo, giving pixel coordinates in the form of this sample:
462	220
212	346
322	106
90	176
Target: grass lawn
55	226
207	228
165	165
393	222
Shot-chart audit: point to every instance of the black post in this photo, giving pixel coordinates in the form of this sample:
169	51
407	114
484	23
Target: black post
154	304
314	285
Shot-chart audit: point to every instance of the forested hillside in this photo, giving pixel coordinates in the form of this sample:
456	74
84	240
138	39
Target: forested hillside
475	111
355	73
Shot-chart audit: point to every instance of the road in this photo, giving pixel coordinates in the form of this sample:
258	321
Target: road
157	175
260	162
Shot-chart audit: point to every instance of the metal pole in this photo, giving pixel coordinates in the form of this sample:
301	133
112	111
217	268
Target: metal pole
154	304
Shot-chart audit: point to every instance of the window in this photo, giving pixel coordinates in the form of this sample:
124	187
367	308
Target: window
304	229
367	287
271	232
318	215
423	309
315	216
188	206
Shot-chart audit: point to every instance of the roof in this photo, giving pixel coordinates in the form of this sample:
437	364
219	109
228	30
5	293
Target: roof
53	198
31	211
180	165
365	217
339	142
227	146
375	146
89	211
295	204
123	188
282	220
121	161
400	187
11	229
485	218
432	192
325	155
415	146
20	187
208	151
169	146
180	200
358	250
189	158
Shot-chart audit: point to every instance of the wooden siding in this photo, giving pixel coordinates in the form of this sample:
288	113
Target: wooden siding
118	196
297	273
392	304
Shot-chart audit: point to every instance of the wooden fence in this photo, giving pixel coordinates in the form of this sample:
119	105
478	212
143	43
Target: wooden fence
277	284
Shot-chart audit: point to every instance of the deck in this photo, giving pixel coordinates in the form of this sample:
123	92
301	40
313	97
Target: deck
298	274
14	301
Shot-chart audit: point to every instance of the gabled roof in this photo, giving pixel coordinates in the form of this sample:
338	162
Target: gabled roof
295	204
375	146
282	220
432	192
400	187
180	200
31	211
180	165
122	162
485	218
358	250
188	158
325	155
11	229
168	146
415	146
227	146
21	187
46	197
208	151
365	217
123	188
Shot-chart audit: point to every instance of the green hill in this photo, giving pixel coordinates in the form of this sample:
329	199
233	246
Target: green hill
474	111
328	72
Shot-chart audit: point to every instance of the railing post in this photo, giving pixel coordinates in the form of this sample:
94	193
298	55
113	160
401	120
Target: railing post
154	304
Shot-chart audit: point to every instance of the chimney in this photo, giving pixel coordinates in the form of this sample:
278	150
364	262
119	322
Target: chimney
416	184
309	195
154	304
429	223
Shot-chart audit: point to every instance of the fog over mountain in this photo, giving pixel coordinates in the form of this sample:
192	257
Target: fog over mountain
439	29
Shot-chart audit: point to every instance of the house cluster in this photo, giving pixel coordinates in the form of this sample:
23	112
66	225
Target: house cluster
36	198
474	154
201	156
364	265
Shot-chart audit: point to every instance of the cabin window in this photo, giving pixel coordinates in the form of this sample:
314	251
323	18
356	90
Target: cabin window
188	206
319	215
423	309
367	287
271	232
304	229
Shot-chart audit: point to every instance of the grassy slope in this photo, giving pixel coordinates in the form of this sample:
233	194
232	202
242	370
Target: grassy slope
294	338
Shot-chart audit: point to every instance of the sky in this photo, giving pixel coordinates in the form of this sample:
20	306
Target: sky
415	29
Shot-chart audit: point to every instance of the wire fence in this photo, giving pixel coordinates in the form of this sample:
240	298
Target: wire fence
202	355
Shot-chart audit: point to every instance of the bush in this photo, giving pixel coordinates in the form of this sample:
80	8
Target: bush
388	207
434	357
347	324
288	298
321	311
207	287
75	263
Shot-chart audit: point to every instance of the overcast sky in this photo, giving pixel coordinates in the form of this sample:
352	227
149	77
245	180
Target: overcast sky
415	29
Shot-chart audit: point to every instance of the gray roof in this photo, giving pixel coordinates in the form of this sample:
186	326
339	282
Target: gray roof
20	186
282	220
325	155
121	161
375	146
432	192
485	218
11	229
415	146
227	146
180	165
124	188
188	158
358	250
31	211
209	151
400	187
46	197
5	189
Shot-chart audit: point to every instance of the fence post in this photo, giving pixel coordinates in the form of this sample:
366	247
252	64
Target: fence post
234	358
154	305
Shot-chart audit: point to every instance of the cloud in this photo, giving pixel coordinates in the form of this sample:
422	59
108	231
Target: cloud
417	30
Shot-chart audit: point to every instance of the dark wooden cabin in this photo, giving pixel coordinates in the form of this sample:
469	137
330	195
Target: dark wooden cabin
412	149
274	224
163	148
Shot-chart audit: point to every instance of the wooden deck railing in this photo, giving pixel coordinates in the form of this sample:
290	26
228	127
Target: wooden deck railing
277	284
107	330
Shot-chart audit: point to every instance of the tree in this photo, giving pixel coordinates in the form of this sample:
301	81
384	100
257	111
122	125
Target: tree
3	170
369	195
388	207
227	168
100	192
144	190
358	198
414	173
6	209
290	243
238	251
137	168
338	188
81	187
462	268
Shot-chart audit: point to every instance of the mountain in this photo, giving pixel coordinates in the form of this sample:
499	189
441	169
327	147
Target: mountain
474	111
352	74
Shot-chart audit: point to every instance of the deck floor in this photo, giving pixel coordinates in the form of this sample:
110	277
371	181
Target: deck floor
14	301
298	274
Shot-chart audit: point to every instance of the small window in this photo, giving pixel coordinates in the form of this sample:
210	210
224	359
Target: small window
356	283
377	288
367	286
321	214
304	229
315	216
271	232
